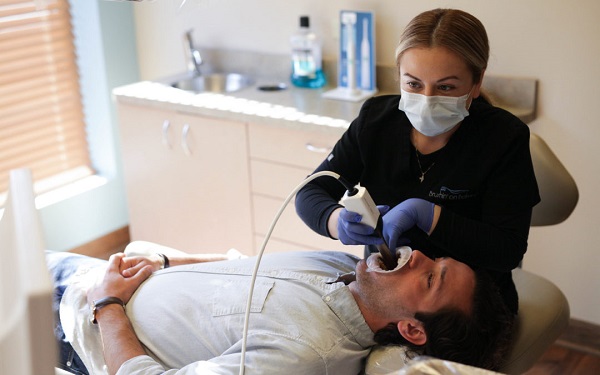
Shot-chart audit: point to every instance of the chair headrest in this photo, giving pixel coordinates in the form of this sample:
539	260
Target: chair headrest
557	188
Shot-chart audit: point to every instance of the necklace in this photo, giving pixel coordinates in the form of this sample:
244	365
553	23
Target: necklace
422	177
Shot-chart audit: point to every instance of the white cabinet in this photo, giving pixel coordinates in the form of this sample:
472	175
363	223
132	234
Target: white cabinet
280	158
202	185
187	180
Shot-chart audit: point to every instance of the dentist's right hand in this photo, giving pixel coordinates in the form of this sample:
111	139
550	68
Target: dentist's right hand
352	232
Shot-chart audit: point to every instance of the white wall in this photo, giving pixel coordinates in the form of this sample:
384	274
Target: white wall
554	41
104	38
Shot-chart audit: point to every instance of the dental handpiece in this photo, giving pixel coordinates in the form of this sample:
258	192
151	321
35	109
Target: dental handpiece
359	200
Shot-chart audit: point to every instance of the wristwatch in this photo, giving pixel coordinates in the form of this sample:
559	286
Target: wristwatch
100	303
165	261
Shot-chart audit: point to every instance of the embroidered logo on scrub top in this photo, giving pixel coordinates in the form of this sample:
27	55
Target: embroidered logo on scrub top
446	193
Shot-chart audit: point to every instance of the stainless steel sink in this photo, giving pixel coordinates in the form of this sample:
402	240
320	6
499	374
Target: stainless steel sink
215	82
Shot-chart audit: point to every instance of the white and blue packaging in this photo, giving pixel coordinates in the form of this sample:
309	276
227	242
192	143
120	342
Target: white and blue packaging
356	66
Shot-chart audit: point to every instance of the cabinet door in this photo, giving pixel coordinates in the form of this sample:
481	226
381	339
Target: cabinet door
187	180
280	159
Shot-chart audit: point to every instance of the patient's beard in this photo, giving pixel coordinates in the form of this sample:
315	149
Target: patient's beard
373	295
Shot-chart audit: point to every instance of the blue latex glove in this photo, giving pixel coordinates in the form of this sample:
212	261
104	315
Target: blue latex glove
411	212
352	232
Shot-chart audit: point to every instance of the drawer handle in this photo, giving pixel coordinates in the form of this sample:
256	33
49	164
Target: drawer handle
320	150
165	133
184	140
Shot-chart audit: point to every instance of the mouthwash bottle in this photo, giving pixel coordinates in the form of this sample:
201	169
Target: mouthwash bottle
307	70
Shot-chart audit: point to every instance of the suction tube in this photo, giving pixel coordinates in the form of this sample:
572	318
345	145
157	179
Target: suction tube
351	191
262	250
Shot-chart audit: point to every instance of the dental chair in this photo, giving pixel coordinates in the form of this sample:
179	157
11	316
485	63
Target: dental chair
543	308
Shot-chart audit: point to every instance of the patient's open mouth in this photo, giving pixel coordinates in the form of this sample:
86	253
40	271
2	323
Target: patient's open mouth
375	261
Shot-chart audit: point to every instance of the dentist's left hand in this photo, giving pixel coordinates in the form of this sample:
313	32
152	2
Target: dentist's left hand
404	216
114	284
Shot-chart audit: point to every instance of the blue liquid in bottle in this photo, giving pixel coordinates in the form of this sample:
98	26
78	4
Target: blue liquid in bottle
306	58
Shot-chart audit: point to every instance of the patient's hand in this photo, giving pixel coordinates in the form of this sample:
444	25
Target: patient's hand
131	265
114	284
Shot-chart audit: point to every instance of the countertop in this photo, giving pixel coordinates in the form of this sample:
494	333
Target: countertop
299	107
291	107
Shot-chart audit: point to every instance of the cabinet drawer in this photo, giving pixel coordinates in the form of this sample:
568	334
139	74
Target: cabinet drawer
275	180
295	147
291	229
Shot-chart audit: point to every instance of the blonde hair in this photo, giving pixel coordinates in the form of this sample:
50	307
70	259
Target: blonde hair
458	31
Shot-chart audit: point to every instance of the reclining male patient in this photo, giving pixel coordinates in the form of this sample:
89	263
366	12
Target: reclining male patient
189	319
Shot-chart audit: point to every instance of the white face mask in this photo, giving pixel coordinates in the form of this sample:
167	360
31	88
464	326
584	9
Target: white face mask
433	115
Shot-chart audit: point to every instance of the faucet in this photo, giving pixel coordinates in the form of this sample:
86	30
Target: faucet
195	60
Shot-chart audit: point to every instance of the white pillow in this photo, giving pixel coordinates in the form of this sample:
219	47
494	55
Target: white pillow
399	360
384	360
145	248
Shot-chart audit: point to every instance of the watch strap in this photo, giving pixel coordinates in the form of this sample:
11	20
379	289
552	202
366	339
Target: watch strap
165	260
100	303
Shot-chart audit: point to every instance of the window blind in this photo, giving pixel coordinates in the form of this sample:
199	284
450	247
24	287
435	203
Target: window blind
41	116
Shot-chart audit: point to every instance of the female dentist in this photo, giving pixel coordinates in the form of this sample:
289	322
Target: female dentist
452	174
